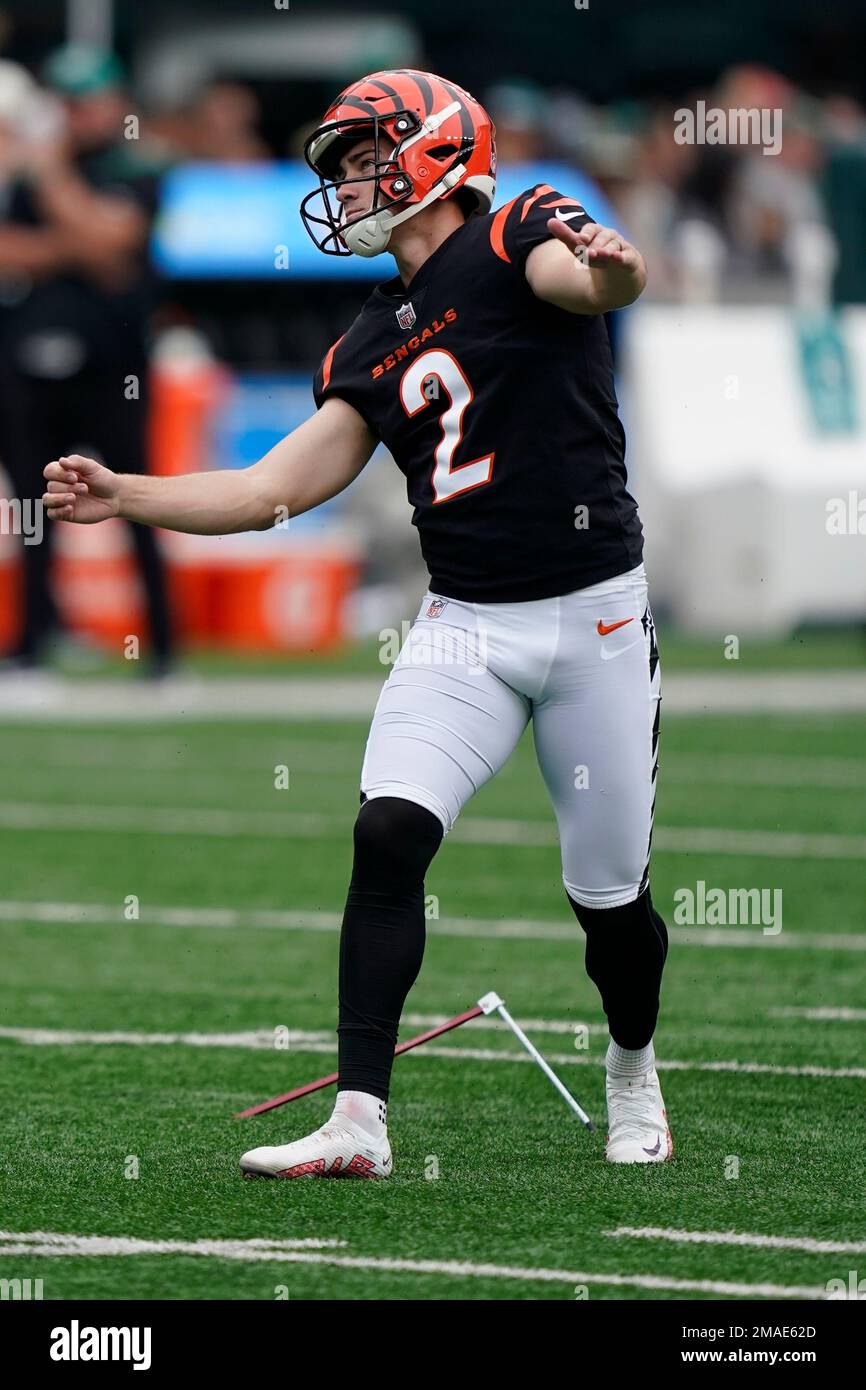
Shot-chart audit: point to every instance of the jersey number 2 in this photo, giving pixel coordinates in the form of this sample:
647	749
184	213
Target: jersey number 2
448	479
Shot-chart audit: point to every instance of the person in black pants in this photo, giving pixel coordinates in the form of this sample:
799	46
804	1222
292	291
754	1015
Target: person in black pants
73	326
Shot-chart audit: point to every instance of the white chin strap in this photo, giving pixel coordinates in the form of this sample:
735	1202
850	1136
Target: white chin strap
369	236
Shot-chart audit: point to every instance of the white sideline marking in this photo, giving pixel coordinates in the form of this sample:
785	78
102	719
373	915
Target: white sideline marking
325	1043
506	928
804	1243
822	1013
56	1245
473	830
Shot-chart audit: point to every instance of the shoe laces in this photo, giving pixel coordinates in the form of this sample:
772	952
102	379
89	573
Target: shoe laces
635	1112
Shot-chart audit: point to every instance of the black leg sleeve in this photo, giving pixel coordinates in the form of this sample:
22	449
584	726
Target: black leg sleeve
626	948
383	936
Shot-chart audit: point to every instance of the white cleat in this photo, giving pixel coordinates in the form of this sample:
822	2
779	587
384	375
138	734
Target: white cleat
339	1149
637	1120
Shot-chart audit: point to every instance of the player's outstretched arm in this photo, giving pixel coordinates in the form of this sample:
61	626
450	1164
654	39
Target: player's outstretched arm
610	273
316	461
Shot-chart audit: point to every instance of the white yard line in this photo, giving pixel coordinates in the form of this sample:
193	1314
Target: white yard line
473	830
739	770
220	918
535	1025
123	753
170	820
113	752
806	1244
266	1040
564	1059
326	1043
506	928
822	1013
750	938
48	1244
49	697
261	1041
314	762
63	1243
773	844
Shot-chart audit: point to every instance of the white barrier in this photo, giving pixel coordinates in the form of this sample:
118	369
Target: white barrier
747	453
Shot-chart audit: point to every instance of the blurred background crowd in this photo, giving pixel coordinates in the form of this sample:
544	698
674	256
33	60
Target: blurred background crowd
161	307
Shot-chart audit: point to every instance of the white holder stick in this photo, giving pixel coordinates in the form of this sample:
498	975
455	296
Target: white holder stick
491	1003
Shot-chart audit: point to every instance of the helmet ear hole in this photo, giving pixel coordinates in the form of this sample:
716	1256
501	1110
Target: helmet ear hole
442	152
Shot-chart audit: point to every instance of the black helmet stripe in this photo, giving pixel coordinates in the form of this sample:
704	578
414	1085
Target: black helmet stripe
358	104
426	91
390	92
466	126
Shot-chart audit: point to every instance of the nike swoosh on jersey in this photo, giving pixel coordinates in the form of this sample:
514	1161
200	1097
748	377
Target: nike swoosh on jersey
604	628
567	216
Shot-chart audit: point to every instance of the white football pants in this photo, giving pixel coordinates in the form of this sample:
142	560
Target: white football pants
584	668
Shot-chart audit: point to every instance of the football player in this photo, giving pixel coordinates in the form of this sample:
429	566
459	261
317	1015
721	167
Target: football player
484	365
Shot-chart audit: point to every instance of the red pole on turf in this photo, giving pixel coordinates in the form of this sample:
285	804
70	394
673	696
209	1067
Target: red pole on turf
329	1080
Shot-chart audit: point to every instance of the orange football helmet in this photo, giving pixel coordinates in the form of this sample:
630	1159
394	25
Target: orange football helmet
443	140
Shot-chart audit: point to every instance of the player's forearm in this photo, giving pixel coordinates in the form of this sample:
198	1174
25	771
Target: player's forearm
202	504
591	289
609	273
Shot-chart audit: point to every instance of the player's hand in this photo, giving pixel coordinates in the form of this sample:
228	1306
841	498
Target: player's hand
598	247
80	489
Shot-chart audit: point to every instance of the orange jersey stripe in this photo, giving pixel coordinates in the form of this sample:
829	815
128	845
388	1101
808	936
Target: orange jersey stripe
539	193
497	230
326	365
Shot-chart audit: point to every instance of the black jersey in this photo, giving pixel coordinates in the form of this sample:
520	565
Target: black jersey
500	410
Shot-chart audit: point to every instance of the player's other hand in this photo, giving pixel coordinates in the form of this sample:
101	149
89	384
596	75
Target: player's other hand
80	489
601	247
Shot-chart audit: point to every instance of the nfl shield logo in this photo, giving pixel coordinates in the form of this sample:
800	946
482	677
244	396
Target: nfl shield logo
406	315
435	607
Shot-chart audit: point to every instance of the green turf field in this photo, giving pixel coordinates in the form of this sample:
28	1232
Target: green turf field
805	649
498	1193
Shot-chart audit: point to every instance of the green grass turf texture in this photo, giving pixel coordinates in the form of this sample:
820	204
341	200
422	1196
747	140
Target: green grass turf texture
520	1183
